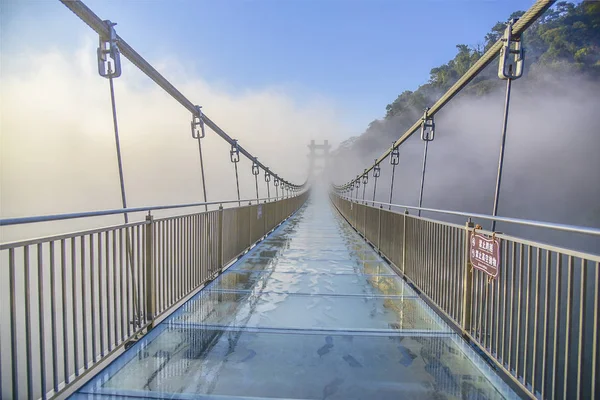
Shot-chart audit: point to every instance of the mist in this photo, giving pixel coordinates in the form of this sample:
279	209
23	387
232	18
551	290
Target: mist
58	150
551	169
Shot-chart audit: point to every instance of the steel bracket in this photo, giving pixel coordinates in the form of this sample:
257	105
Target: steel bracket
511	56
197	124
108	50
427	127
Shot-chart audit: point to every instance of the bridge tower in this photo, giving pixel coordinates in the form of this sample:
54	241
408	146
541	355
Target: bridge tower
318	151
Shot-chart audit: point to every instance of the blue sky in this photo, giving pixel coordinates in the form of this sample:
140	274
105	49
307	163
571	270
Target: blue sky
357	54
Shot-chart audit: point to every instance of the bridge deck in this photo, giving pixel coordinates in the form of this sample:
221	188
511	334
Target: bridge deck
310	313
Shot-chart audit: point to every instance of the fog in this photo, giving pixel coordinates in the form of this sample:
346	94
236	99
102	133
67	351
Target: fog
58	149
551	170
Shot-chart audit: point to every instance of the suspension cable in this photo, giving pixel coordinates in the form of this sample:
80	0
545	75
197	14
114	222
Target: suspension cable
394	160
510	67
199	133
98	25
268	180
117	143
109	66
255	172
427	135
365	179
524	22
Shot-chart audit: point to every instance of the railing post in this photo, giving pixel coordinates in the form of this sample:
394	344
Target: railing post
467	283
364	227
379	231
150	311
249	224
404	242
220	239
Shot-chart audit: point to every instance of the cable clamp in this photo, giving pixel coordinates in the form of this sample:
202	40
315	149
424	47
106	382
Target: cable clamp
197	124
234	153
376	170
394	155
427	127
108	53
512	55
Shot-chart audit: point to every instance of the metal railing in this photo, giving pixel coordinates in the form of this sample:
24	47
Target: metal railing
74	300
537	322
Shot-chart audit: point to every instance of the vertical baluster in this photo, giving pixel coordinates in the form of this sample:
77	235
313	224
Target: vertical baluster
129	292
27	321
63	267
100	297
582	325
568	324
595	307
54	338
13	324
83	303
536	313
504	301
114	287
109	344
527	305
556	321
164	266
74	299
519	296
546	320
513	262
140	280
118	233
42	335
93	299
171	248
193	250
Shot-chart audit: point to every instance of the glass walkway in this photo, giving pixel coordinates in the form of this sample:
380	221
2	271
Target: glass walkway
312	312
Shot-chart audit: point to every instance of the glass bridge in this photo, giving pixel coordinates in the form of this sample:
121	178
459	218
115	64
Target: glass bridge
312	312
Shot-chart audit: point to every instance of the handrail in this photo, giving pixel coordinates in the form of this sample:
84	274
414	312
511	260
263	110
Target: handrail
535	294
539	224
518	28
116	211
98	25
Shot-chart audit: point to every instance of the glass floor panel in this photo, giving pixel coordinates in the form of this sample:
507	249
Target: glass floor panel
284	310
290	282
312	312
181	360
283	264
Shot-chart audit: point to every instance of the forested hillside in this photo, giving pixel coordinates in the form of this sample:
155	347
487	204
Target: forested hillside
565	41
553	137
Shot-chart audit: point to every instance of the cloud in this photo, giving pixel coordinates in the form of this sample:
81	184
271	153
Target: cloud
551	161
58	149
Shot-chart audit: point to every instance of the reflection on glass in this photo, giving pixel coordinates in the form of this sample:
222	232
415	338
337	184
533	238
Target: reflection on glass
188	360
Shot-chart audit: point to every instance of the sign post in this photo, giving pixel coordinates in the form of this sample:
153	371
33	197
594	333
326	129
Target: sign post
484	253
